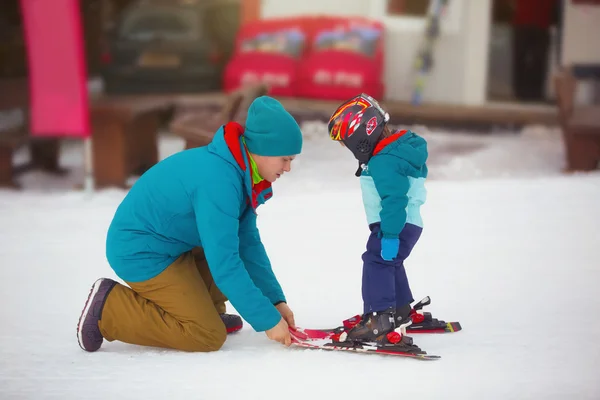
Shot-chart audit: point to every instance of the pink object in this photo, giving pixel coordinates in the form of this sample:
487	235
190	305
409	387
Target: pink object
346	58
279	72
268	51
319	57
57	70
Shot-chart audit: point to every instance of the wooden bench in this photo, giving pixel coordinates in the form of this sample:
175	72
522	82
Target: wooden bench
124	142
580	125
198	125
44	152
124	136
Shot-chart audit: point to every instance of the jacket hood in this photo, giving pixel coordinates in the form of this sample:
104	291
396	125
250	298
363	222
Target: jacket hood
407	146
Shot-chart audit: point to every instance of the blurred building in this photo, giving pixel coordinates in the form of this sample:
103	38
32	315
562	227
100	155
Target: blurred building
475	55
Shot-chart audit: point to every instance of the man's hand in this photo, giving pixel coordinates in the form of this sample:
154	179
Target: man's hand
280	333
287	314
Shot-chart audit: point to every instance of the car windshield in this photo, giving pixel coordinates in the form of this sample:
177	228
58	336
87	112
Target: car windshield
163	22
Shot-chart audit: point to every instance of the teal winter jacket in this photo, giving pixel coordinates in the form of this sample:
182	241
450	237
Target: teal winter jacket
200	197
393	182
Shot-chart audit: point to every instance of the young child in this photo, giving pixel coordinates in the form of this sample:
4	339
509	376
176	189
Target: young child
392	171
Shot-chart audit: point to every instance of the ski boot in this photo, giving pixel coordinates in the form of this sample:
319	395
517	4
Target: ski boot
420	321
401	315
381	330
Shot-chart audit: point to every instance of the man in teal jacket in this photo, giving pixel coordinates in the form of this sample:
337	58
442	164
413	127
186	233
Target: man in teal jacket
185	240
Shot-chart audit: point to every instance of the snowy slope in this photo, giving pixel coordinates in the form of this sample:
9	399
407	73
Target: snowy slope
511	249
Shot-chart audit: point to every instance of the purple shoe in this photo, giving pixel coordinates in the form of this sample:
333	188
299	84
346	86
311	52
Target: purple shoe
88	332
233	323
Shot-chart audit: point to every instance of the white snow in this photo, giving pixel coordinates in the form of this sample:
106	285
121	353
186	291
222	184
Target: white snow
511	249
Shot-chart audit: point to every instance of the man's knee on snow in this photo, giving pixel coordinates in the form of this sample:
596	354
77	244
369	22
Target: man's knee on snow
201	339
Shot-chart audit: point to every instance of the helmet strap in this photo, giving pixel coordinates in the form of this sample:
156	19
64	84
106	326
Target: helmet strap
359	170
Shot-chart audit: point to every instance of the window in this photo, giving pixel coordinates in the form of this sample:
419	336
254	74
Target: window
409	8
150	22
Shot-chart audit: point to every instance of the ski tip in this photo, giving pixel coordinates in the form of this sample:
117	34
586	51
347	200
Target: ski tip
430	357
453	327
422	356
425	356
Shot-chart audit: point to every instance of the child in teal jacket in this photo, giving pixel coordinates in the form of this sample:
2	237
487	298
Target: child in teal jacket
392	171
203	198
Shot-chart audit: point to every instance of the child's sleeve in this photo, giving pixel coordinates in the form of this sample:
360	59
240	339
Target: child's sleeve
393	185
254	256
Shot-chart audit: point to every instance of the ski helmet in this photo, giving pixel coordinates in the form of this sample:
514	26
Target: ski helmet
358	123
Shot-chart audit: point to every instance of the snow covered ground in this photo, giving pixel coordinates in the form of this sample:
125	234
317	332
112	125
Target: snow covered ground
511	249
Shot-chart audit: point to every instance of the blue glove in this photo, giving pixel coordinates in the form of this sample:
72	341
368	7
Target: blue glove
389	248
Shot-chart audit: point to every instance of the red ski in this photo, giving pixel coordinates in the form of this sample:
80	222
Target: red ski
304	338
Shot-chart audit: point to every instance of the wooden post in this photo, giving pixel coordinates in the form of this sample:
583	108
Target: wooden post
250	10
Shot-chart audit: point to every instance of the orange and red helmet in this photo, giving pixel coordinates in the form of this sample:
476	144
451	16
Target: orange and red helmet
358	123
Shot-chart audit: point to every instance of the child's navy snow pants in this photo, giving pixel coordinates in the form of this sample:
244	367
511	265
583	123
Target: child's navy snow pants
384	283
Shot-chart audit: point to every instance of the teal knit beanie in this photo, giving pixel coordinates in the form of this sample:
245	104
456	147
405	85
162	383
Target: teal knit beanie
271	130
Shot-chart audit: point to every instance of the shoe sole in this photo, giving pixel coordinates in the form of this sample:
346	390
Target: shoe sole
234	329
86	309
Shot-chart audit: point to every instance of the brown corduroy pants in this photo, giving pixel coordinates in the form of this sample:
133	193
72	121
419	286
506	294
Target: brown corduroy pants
177	309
